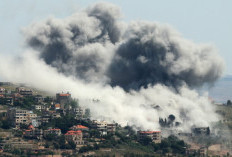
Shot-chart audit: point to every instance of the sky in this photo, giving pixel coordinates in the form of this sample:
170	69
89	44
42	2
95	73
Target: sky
205	21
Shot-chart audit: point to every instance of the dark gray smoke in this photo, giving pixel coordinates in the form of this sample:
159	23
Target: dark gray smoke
93	46
77	45
153	54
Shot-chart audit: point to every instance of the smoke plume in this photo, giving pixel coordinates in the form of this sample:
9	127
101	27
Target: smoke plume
139	71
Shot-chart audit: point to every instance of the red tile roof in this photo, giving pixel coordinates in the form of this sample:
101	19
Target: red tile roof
64	94
71	132
81	127
31	127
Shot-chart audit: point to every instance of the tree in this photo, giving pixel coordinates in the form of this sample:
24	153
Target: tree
229	103
72	144
74	103
87	113
171	117
146	140
6	124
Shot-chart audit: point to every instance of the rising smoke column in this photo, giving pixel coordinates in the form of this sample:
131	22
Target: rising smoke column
131	68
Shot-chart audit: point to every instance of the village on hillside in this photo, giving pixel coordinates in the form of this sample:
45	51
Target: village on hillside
32	124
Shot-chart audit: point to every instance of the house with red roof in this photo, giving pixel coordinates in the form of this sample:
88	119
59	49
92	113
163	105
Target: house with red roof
33	132
84	129
74	136
79	127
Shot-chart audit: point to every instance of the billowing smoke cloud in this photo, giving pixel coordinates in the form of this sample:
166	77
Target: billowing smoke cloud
152	53
139	71
80	45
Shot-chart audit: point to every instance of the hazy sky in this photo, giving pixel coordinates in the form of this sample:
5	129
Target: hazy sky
201	21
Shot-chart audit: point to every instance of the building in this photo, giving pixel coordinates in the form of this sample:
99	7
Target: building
79	127
55	115
19	116
6	100
63	98
2	90
40	107
74	136
201	131
44	118
17	97
154	135
24	92
111	128
56	132
57	106
101	126
39	98
79	113
33	133
84	129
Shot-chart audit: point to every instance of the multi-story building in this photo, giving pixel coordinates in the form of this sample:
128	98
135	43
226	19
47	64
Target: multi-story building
2	90
6	100
33	133
74	136
111	128
84	129
154	135
40	107
101	126
23	91
79	113
56	132
39	98
201	131
19	116
63	98
44	118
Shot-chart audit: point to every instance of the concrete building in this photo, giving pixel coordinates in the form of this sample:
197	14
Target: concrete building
74	136
55	131
79	113
84	129
111	128
24	92
40	107
201	131
2	90
6	100
103	127
19	116
154	135
63	98
39	98
34	133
